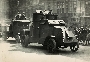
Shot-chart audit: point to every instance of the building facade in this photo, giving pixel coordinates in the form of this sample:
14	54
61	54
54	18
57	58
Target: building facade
73	12
85	13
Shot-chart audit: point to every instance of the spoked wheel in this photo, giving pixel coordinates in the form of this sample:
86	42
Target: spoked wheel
51	46
24	43
74	48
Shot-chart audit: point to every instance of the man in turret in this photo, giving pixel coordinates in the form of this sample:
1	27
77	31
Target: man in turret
50	12
18	16
23	16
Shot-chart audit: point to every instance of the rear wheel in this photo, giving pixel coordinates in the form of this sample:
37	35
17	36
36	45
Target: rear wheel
51	45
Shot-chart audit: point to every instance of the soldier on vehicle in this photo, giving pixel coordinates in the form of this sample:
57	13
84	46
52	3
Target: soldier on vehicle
50	12
41	12
18	16
23	16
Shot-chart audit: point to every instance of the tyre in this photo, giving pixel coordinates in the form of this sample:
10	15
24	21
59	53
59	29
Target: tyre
24	41
74	48
51	45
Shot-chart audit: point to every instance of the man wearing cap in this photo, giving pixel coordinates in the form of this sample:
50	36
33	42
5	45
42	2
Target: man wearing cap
18	16
23	16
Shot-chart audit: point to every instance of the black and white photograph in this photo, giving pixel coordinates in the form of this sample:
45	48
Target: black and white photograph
44	31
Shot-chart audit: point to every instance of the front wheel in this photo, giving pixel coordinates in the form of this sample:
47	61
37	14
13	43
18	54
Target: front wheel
51	45
74	48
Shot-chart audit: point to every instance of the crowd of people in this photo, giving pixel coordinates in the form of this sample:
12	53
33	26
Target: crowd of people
83	34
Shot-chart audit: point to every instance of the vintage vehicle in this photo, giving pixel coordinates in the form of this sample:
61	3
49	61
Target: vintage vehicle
45	29
16	26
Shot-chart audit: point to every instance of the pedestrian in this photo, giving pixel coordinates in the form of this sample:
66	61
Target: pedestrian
88	39
84	36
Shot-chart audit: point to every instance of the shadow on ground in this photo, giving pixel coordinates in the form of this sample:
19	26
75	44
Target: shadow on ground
38	49
82	53
11	41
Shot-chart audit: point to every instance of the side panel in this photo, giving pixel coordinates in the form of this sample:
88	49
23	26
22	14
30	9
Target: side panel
34	32
36	29
37	17
24	25
16	28
44	32
51	17
59	35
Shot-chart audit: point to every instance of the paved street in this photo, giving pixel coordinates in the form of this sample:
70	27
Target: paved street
10	51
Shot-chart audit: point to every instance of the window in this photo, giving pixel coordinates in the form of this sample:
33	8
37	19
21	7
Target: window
70	9
74	3
62	10
66	0
66	10
55	4
74	0
86	2
62	5
58	5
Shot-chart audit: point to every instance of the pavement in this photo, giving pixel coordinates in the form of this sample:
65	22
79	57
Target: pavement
17	56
